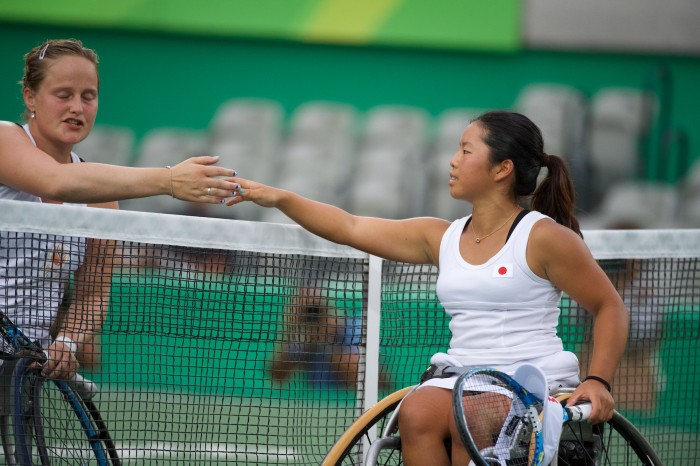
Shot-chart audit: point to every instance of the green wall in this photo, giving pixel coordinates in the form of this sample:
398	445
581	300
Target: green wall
154	80
492	25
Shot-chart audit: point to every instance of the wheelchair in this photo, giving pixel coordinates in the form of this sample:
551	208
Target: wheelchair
374	439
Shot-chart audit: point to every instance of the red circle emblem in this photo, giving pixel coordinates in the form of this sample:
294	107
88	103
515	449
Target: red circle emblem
502	270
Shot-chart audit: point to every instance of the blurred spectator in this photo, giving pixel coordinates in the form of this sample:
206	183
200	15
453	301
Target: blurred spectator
639	375
316	340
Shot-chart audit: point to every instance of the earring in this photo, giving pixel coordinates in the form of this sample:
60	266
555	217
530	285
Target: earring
33	115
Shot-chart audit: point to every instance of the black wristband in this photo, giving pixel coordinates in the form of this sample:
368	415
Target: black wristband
599	379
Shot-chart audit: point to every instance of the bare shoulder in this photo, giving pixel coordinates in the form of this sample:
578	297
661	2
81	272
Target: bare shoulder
433	227
11	128
13	137
432	223
422	235
551	243
547	229
13	140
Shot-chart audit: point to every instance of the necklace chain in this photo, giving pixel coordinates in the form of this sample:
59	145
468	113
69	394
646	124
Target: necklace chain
478	238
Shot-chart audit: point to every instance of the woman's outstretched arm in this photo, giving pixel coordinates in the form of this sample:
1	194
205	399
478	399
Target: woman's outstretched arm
27	168
414	240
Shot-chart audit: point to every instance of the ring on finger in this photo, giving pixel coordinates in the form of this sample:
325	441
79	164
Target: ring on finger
208	191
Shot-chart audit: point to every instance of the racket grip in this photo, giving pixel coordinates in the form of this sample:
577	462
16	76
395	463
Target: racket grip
579	412
87	389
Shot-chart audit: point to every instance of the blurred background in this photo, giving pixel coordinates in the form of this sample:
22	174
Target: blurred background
362	103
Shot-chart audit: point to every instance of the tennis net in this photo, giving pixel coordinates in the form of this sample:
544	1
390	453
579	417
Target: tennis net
238	342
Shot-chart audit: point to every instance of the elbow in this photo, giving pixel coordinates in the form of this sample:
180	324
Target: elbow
626	322
621	322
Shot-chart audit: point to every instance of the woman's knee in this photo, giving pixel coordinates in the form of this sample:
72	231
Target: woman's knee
425	410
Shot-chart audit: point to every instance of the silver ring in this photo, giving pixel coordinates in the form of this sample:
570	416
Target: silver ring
208	191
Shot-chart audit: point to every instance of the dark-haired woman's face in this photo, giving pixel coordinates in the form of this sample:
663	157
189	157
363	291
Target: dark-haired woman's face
471	166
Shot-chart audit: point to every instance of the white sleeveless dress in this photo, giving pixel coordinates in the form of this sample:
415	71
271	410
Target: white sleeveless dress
502	314
34	271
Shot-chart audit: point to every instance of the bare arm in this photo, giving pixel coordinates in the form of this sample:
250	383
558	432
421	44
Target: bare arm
562	257
88	309
28	169
415	240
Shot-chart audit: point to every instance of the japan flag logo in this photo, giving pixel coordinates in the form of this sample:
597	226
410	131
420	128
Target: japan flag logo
502	271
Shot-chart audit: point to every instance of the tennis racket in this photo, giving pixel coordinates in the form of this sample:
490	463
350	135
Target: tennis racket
499	421
52	423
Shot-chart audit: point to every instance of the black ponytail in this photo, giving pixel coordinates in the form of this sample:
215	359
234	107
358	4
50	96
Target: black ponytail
513	136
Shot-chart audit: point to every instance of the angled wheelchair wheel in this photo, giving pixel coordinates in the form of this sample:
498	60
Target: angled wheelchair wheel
364	439
54	425
615	442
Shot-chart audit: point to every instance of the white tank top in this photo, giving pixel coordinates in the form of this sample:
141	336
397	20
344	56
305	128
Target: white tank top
501	312
33	279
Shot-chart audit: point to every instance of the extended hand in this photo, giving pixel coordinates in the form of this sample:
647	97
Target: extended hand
265	196
198	179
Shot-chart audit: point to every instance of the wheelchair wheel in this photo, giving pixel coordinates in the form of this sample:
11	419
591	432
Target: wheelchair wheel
53	425
351	447
616	442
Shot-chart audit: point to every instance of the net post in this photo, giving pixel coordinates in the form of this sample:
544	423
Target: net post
374	305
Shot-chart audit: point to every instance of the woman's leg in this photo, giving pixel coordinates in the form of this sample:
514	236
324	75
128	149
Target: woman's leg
424	426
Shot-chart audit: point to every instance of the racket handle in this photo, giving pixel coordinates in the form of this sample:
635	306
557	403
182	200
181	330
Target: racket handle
87	389
579	412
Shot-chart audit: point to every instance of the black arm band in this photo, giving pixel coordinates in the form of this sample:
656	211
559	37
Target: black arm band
599	379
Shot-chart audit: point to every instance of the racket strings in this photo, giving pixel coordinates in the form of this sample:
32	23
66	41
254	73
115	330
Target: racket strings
501	427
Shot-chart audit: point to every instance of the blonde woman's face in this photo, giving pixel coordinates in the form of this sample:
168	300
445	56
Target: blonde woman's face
65	105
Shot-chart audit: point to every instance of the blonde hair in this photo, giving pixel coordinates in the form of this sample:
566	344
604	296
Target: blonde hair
36	61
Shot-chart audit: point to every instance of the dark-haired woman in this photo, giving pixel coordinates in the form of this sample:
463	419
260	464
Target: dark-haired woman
502	273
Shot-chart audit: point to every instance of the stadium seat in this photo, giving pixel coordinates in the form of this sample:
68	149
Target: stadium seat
246	119
397	123
168	146
689	209
618	121
321	142
561	113
246	134
451	123
324	119
381	183
315	168
391	167
635	204
316	159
